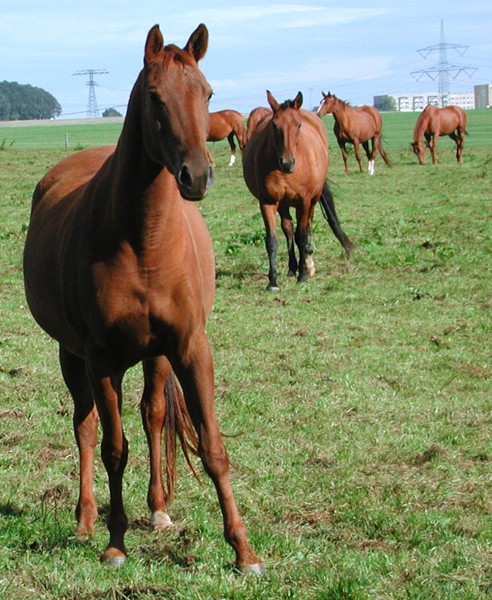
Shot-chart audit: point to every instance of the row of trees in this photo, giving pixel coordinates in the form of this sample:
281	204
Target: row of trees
24	102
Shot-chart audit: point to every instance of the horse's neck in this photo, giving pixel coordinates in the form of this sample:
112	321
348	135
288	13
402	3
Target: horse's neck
420	127
340	111
142	195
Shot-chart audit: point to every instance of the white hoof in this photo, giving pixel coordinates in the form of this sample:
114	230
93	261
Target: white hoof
232	161
310	266
160	520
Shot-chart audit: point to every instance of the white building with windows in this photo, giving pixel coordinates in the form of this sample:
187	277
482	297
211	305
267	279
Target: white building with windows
481	97
417	102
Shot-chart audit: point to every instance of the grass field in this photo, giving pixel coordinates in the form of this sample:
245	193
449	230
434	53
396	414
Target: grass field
358	404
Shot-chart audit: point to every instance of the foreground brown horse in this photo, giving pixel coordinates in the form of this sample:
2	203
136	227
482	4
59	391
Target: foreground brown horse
434	122
227	124
255	116
285	164
355	126
119	268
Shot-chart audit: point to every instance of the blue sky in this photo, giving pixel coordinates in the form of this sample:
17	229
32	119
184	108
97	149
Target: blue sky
356	49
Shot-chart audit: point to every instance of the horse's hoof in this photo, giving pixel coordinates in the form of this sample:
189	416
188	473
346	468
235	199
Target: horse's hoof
257	569
160	520
113	557
273	288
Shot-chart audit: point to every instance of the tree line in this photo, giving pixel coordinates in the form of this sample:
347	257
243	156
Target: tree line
19	102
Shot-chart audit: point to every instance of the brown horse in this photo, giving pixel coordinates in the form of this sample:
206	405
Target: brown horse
119	269
227	124
285	164
255	116
355	126
433	122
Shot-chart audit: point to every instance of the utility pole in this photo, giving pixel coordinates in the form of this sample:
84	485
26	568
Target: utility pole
92	110
443	70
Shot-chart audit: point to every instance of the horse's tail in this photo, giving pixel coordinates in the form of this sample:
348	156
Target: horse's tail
328	209
177	424
383	153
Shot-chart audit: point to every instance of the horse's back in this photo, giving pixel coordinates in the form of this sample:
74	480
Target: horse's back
70	173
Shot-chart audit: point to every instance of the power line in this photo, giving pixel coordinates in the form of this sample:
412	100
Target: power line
443	70
92	110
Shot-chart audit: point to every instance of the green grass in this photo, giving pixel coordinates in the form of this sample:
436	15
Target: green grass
362	400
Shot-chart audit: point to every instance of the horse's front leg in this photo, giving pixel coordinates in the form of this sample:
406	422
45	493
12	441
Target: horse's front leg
105	382
194	368
304	243
288	229
85	422
433	147
268	212
357	154
343	150
153	410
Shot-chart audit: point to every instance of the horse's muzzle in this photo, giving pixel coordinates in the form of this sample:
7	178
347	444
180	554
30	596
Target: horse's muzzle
194	186
287	165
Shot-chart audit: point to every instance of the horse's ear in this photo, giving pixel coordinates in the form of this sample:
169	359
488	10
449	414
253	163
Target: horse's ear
274	105
198	43
154	44
298	101
324	95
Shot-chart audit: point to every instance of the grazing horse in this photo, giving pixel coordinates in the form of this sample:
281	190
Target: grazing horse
355	126
255	116
285	164
227	124
119	269
433	122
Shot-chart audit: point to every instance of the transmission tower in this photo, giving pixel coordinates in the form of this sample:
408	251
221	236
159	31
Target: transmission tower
92	110
443	70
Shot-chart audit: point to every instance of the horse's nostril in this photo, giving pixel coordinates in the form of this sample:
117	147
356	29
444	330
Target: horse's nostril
185	177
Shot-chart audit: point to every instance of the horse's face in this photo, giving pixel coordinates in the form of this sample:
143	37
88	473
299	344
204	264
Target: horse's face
286	124
419	150
175	97
327	105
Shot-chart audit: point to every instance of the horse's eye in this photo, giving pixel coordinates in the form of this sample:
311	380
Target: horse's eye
155	98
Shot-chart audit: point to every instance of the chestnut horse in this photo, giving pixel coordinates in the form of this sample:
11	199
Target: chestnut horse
119	269
227	124
255	116
355	126
285	164
433	122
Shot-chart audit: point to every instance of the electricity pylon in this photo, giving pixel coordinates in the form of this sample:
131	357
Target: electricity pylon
443	70
92	110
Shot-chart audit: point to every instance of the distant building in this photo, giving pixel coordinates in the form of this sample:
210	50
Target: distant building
483	96
417	102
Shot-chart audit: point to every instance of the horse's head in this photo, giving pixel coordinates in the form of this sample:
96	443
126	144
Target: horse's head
327	104
286	123
175	118
419	149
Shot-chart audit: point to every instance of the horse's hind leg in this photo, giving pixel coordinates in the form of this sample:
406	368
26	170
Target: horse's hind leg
153	410
194	369
85	421
288	229
230	138
458	138
304	243
371	156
